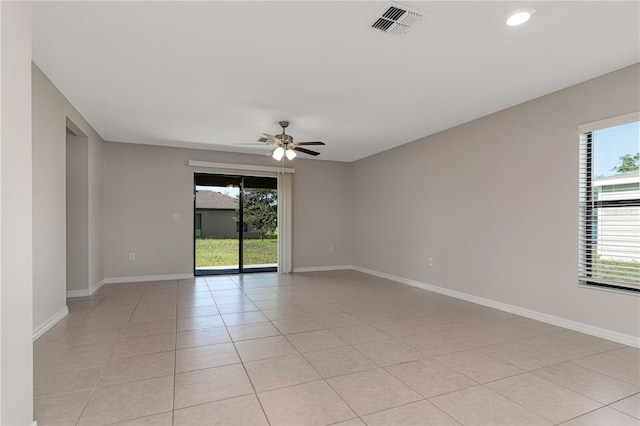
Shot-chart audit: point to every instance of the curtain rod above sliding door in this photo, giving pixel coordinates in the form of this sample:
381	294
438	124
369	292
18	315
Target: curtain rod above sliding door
231	166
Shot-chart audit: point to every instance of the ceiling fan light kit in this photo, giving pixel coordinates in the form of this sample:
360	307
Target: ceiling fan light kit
278	153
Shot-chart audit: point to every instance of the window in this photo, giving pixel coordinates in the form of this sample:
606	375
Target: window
609	204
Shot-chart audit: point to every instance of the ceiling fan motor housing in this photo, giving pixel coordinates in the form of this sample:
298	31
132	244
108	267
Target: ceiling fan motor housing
285	139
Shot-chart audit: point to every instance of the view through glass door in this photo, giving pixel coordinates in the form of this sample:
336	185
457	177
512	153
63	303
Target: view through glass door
235	224
259	248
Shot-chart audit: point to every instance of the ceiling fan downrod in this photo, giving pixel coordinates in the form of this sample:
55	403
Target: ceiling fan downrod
284	138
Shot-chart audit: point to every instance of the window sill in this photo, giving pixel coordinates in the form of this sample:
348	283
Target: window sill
611	289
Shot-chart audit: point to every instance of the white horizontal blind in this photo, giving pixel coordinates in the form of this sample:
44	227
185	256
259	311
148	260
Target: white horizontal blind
609	208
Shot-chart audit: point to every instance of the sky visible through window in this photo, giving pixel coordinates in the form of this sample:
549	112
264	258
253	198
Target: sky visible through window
612	143
231	191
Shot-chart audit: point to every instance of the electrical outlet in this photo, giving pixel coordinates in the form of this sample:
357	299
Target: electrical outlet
175	216
132	257
431	261
330	249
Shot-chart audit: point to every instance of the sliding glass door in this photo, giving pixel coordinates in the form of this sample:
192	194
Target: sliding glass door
235	224
260	217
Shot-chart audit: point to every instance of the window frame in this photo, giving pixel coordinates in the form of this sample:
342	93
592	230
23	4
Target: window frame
587	226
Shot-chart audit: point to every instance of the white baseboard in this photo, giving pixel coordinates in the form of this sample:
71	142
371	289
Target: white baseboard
615	336
322	268
141	278
50	323
83	293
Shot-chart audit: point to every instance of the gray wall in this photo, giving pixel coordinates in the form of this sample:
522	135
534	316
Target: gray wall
96	203
322	214
16	277
495	203
144	184
77	212
51	112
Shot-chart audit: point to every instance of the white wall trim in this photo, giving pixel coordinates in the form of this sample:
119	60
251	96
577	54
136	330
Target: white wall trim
84	293
615	336
50	323
323	268
141	278
609	122
249	167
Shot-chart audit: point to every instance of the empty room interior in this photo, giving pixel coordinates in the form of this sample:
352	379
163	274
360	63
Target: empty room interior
317	213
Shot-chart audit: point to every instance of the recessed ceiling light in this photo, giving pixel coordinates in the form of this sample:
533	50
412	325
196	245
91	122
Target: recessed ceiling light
519	16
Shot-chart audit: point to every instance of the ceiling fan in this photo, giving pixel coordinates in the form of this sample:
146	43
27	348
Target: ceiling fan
284	144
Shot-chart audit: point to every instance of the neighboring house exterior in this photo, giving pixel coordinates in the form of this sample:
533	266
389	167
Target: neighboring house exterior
614	245
217	216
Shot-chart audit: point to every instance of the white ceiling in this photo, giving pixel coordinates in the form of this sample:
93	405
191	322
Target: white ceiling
210	74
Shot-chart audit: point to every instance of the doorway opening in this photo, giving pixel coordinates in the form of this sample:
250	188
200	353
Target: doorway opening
235	224
77	210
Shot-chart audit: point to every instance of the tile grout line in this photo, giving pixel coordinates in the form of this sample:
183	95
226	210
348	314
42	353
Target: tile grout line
591	411
499	394
95	386
244	368
620	411
322	378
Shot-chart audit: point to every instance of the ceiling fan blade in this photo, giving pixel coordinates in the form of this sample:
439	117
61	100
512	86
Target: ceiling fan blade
269	139
306	151
310	143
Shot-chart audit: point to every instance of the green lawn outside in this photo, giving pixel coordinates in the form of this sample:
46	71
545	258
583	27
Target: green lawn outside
224	252
612	270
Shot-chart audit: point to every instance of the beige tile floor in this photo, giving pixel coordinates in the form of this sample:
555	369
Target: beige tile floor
320	348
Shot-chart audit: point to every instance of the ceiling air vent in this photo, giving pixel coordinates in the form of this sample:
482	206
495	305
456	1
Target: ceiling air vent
396	19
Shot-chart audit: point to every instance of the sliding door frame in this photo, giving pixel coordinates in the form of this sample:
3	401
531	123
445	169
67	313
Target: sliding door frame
285	207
